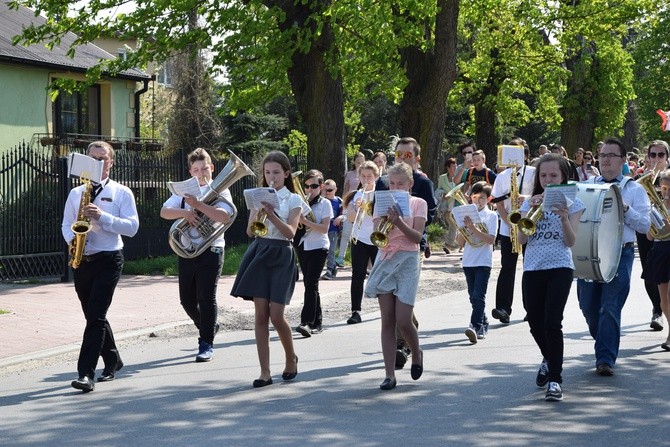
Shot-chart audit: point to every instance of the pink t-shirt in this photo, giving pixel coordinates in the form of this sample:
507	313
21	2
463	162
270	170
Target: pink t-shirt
397	240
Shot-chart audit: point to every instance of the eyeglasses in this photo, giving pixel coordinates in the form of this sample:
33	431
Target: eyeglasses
313	186
329	190
608	156
588	158
654	154
404	155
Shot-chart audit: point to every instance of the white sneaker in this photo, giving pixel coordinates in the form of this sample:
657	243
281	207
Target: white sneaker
554	392
656	322
471	334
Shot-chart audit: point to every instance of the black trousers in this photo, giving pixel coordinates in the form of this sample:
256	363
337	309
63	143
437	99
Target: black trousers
507	275
361	254
311	266
198	278
95	282
546	293
643	248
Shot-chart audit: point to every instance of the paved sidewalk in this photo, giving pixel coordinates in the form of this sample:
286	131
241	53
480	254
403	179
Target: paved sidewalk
46	319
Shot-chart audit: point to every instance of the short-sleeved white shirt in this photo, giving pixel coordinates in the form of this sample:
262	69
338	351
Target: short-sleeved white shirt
502	187
482	256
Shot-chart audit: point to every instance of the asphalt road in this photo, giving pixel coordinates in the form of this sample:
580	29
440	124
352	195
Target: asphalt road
483	394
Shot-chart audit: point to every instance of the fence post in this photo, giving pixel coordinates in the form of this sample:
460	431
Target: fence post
64	186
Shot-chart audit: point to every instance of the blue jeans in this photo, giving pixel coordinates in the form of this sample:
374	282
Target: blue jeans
601	304
477	279
333	237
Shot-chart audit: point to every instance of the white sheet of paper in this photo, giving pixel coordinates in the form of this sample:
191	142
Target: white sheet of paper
253	197
460	212
388	199
83	166
511	156
559	196
190	187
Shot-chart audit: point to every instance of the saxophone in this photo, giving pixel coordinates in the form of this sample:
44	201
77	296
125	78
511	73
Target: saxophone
81	227
514	215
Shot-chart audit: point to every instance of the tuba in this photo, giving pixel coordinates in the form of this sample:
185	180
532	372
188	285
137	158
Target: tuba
81	227
528	224
189	242
459	197
659	213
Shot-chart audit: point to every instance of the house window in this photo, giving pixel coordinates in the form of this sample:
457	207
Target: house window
164	74
78	112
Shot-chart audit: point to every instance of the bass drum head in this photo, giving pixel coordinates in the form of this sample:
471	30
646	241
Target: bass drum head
597	249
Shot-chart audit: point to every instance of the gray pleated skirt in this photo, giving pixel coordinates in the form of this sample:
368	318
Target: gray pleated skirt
268	270
398	275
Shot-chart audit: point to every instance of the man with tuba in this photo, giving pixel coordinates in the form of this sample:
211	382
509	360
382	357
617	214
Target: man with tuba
112	213
601	303
199	276
502	191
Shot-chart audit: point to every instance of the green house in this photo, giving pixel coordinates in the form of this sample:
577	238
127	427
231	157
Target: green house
109	108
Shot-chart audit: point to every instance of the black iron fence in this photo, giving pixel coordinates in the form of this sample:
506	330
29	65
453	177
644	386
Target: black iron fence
34	186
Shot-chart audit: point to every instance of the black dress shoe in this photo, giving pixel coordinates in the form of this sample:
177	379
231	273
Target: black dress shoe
84	383
388	384
260	383
416	371
291	375
108	376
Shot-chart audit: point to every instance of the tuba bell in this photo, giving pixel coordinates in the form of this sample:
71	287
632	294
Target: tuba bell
457	194
187	241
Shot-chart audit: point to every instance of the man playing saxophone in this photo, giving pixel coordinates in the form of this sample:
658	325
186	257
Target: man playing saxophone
199	276
112	213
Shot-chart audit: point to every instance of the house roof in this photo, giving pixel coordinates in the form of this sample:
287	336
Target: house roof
11	24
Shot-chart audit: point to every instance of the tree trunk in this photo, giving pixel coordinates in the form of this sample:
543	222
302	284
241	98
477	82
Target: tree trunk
486	136
319	95
579	110
431	75
631	126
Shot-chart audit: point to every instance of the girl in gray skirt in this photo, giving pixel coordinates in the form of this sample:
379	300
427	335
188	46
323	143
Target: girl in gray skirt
395	276
267	272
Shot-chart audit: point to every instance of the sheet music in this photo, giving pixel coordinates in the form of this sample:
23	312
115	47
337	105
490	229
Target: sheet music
558	196
460	212
190	187
253	198
391	199
80	165
511	156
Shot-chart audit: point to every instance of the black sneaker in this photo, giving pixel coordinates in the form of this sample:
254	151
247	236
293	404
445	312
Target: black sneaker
304	330
542	374
500	314
605	369
401	355
554	392
355	318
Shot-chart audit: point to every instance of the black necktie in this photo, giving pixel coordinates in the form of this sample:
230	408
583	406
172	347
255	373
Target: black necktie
97	189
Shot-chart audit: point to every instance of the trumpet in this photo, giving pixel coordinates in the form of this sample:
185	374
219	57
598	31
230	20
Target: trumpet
364	208
457	194
528	224
259	226
660	217
380	237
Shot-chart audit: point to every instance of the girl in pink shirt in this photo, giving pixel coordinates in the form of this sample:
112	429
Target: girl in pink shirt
395	277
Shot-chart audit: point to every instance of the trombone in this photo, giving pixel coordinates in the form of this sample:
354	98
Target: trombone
364	208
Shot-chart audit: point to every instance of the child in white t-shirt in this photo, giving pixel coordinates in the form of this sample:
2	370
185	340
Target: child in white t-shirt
478	258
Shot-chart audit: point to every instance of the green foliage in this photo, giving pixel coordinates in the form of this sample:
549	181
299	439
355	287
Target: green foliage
296	142
435	233
167	265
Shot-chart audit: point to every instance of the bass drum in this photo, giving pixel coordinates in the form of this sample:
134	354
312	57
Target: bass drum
597	249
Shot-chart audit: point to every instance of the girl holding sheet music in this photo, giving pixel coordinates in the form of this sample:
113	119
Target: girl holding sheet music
267	273
548	270
394	277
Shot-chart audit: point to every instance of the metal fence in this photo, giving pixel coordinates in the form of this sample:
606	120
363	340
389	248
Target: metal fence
34	187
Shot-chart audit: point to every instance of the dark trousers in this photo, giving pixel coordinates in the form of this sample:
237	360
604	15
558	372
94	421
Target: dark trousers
546	292
507	275
95	282
198	278
361	254
311	266
477	279
643	248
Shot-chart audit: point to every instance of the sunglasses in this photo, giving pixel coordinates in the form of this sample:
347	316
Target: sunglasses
588	158
404	155
654	154
330	190
313	186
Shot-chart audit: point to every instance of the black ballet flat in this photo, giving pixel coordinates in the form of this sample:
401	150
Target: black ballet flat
291	375
665	346
388	384
416	371
260	383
